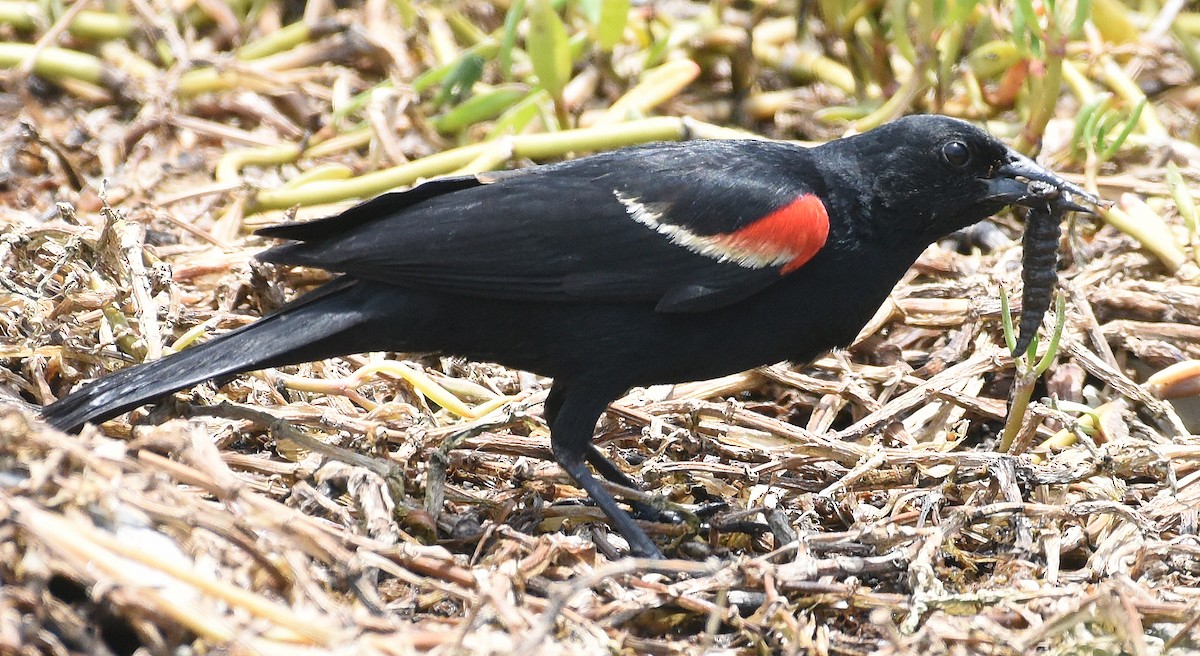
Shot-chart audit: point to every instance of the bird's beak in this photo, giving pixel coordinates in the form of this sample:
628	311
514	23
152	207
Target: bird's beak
1004	186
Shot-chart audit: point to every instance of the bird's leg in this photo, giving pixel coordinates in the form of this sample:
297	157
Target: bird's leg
605	467
609	469
574	419
642	509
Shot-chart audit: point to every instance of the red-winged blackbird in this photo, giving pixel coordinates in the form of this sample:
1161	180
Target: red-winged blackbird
653	264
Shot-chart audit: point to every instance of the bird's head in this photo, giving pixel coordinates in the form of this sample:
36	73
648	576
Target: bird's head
947	174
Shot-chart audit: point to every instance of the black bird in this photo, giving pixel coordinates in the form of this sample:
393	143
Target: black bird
653	264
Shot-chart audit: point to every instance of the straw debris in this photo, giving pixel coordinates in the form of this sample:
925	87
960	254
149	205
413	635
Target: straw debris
402	503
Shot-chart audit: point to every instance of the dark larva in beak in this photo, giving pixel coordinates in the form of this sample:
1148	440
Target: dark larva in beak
1039	261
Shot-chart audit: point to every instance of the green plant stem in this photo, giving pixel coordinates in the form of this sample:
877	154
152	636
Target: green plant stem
204	80
1143	224
805	64
533	146
902	99
230	166
1115	77
98	25
1188	22
1047	96
1023	385
59	63
1027	371
278	41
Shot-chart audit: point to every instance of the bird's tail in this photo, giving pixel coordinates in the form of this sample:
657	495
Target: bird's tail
318	325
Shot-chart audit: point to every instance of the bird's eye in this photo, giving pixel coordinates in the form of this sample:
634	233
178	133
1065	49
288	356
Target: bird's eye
956	154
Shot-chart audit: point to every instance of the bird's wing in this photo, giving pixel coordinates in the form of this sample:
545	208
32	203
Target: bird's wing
690	227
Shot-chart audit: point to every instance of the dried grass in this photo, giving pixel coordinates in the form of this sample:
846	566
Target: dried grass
853	505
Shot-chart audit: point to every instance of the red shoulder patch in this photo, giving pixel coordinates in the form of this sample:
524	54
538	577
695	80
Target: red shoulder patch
798	230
